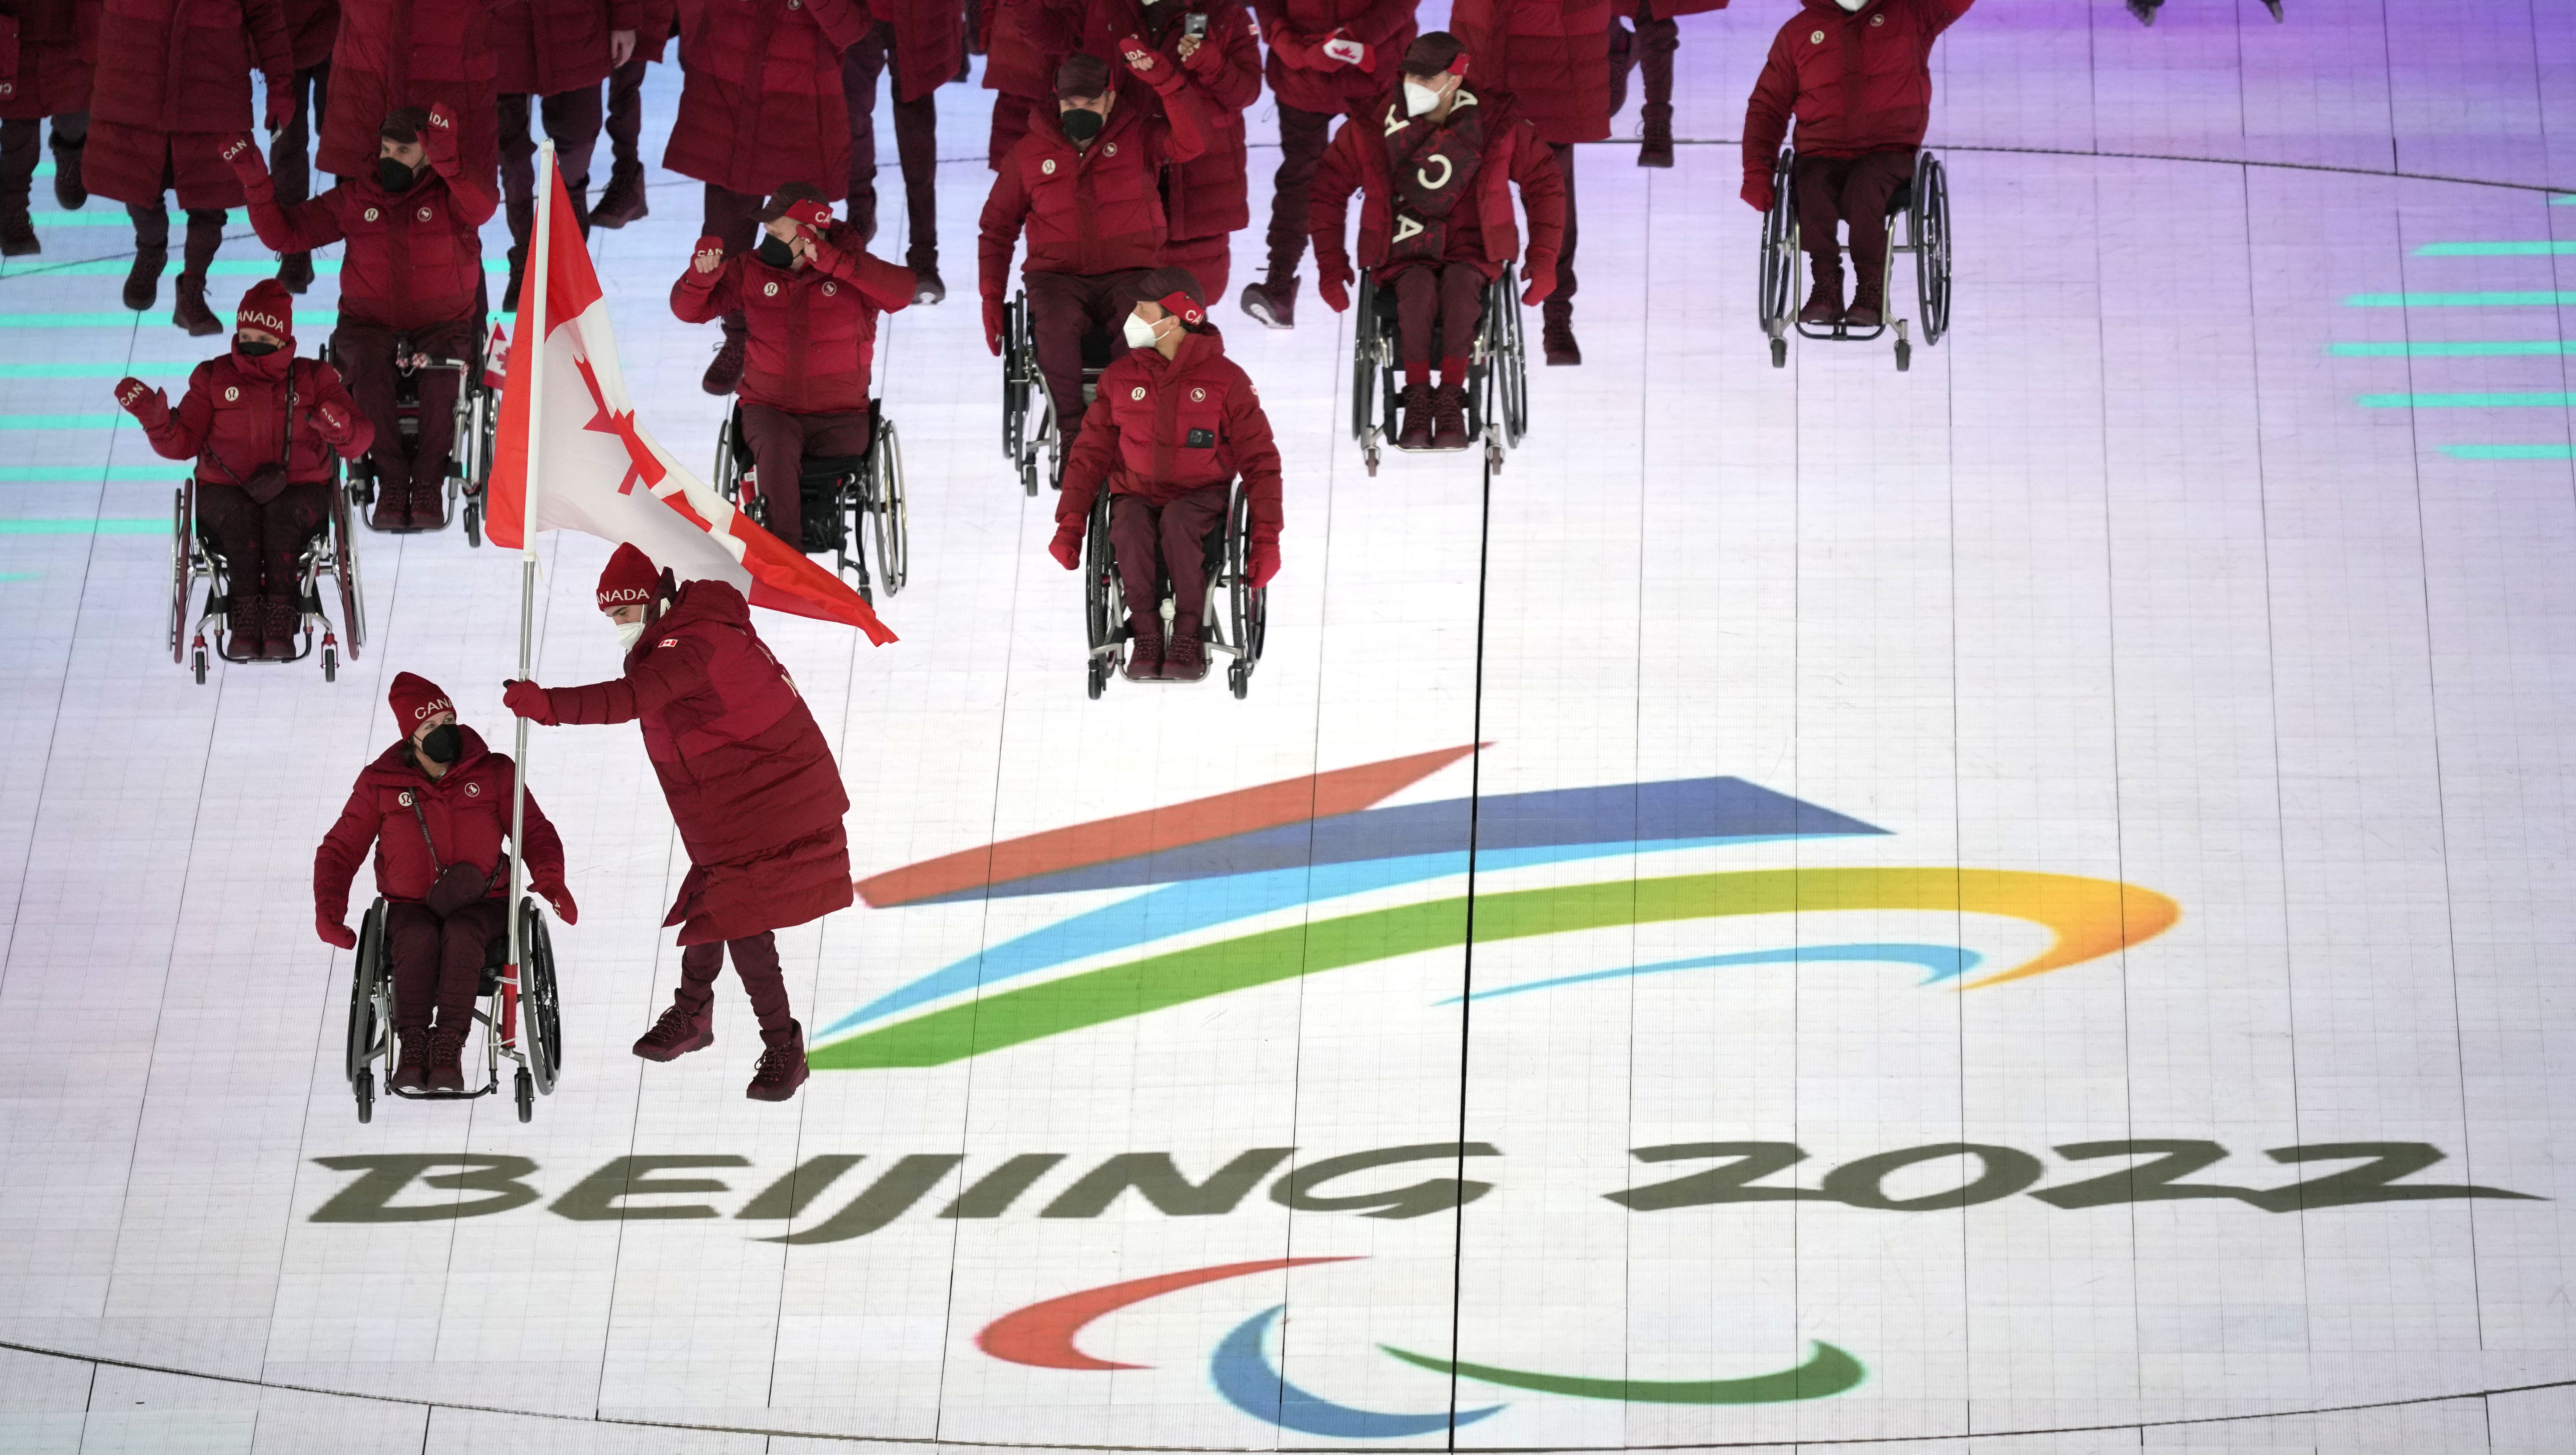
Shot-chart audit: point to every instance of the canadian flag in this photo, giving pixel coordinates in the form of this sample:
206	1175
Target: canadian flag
597	470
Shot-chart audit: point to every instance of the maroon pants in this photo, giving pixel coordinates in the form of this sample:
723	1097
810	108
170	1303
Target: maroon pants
364	355
572	119
755	959
1852	190
263	545
732	218
625	123
1010	123
1437	300
18	150
916	143
1565	251
438	962
1649	48
781	442
1154	542
1302	135
290	161
1062	308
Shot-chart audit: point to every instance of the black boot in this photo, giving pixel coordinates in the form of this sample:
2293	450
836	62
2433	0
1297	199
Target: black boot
1656	149
143	282
1557	334
17	230
623	201
69	190
1825	300
189	310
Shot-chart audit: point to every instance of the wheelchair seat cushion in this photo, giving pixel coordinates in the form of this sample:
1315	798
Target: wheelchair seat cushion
828	469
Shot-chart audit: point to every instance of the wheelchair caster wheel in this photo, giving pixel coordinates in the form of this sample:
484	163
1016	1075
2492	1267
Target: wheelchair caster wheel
1098	678
1029	480
1494	456
201	666
1779	353
365	1086
527	1095
473	523
1904	356
1372	462
330	664
1240	680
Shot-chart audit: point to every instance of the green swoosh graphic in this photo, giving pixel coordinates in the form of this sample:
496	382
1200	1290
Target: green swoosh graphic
1827	1371
2089	917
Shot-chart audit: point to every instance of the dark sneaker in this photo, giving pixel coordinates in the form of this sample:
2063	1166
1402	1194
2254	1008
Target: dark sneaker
411	1068
190	311
1868	304
446	1059
1275	304
295	272
781	1069
926	285
1145	647
69	189
1557	338
1416	431
623	201
1184	657
726	371
1655	148
1449	417
143	281
677	1033
17	232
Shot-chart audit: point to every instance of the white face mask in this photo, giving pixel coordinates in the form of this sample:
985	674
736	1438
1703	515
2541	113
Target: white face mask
628	633
1851	7
1140	334
1419	98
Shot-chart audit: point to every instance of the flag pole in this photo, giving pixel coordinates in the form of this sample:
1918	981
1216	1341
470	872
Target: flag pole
532	305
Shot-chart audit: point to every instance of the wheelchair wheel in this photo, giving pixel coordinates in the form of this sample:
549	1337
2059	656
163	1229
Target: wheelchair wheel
344	569
726	477
540	1008
1779	260
1248	605
1930	227
1100	598
891	525
1364	364
1015	382
368	1039
1511	358
182	548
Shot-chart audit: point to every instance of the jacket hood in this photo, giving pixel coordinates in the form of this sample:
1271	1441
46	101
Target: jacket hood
694	602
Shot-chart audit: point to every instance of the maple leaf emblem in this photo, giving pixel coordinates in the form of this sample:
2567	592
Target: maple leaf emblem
640	461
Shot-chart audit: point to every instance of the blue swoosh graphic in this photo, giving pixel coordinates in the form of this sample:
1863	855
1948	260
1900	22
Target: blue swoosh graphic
1242	1373
1945	962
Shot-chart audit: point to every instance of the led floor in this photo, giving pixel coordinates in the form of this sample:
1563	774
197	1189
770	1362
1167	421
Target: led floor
2019	906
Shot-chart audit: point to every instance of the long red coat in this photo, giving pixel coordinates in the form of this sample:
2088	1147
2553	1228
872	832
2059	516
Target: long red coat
1356	162
1886	46
1664	9
232	420
1553	56
1304	77
761	104
749	777
1023	41
653	31
467	809
312	28
48	49
929	43
546	47
396	53
813	329
173	85
1205	196
412	260
1136	439
1095	210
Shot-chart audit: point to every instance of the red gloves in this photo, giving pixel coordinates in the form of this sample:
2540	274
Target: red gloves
1758	192
439	139
1333	283
1265	564
1067	545
281	107
333	932
993	325
554	893
528	700
1148	66
1540	273
1347	50
150	407
335	425
242	154
709	256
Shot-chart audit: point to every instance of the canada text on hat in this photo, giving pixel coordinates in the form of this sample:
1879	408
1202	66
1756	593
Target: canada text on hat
1183	307
415	700
629	580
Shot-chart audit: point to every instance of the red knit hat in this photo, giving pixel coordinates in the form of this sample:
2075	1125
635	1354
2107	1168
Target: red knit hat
267	306
416	700
630	580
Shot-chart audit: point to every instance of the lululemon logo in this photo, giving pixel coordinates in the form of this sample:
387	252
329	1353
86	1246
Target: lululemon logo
404	799
1048	166
1137	393
1817	39
231	395
768	290
371	214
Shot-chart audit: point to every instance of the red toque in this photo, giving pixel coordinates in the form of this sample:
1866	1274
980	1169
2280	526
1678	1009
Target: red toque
416	700
630	580
267	306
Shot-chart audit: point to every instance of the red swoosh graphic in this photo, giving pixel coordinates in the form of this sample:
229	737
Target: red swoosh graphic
1042	1334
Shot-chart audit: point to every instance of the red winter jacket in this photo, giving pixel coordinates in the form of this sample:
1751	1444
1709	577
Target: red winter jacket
413	260
1023	41
312	27
749	777
546	47
1137	437
1301	75
761	103
653	30
184	65
929	43
813	329
1090	210
396	53
1356	162
1858	82
1204	196
232	419
467	809
1552	56
48	49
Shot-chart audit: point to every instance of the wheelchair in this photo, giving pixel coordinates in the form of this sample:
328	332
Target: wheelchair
1237	632
1497	371
1918	224
331	553
846	498
1028	404
476	427
522	1018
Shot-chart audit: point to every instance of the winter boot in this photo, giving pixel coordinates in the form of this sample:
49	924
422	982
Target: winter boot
295	272
518	275
17	230
282	627
622	201
447	1059
429	494
1144	646
679	1031
69	190
1415	434
1869	295
1184	656
926	284
189	310
2145	10
1449	417
1656	147
782	1066
1557	336
393	489
726	371
411	1068
245	628
1273	301
143	281
1825	300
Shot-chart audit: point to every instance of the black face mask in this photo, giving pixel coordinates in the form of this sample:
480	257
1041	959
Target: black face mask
773	252
1081	126
393	176
254	348
442	743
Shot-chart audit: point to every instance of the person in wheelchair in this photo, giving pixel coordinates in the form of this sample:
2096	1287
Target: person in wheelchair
414	269
1434	163
262	426
809	297
435	806
1857	77
1178	422
1086	184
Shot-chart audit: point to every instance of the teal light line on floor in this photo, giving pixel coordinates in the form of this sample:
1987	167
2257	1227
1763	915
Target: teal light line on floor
2459	300
2545	247
112	215
2510	452
2451	350
315	318
2568	200
260	267
17	575
159	368
140	525
169	470
2530	400
19	423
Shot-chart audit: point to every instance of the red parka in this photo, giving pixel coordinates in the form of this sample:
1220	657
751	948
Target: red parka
544	47
1136	438
1301	75
1664	9
1023	41
467	810
1857	82
1204	196
1356	162
173	85
1552	56
761	103
653	31
749	777
47	51
396	53
312	28
813	329
232	420
929	43
1095	209
413	260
